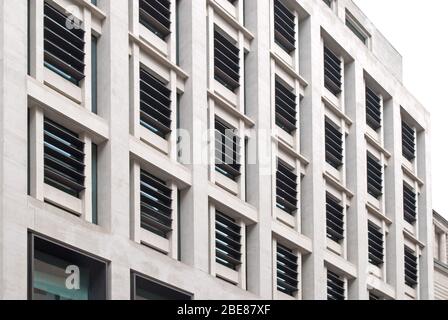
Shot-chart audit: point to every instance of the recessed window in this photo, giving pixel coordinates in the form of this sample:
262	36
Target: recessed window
57	272
63	159
332	72
410	267
156	15
63	44
227	61
374	176
285	107
356	27
408	141
155	104
409	204
284	26
335	219
155	205
228	241
227	150
328	3
143	288
335	286
334	150
373	109
286	188
376	244
287	271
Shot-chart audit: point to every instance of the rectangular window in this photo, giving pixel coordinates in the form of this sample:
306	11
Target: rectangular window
410	267
409	204
285	107
287	271
286	188
335	286
155	205
63	159
94	183
374	176
356	28
373	109
227	61
335	219
332	72
328	2
49	266
334	150
228	241
156	15
94	75
284	26
144	288
63	44
376	244
227	150
155	104
408	140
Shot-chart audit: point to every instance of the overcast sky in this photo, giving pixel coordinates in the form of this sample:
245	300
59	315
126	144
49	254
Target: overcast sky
418	31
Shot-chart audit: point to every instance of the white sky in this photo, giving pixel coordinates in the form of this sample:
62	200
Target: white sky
417	30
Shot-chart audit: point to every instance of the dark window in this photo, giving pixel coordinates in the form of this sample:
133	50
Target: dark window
376	245
155	15
373	109
373	296
332	72
50	264
335	286
408	141
94	183
155	205
63	44
228	241
335	219
286	189
143	288
94	75
410	267
227	150
284	26
328	2
155	104
285	107
287	275
409	204
227	61
63	159
374	176
334	151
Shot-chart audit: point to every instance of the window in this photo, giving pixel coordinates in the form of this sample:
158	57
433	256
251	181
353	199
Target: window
409	204
155	104
227	150
374	176
156	15
227	61
328	2
374	297
376	244
50	264
284	27
94	75
94	183
356	28
63	45
408	139
373	109
155	205
334	152
143	288
335	286
335	219
286	189
287	275
63	159
332	72
285	107
410	267
228	241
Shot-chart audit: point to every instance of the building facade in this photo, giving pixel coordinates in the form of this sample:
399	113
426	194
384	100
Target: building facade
440	257
209	149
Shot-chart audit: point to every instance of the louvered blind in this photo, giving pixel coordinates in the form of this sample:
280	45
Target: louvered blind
227	150
334	152
374	176
286	189
227	62
373	109
410	267
228	241
155	15
335	287
287	271
409	204
284	26
376	244
285	107
332	72
408	141
335	219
